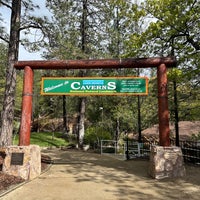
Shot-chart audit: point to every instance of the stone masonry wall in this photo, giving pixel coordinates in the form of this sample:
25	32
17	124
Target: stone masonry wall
166	162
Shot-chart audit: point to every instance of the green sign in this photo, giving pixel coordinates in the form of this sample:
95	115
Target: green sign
94	86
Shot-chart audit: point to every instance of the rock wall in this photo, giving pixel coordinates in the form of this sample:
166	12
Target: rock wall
23	161
166	162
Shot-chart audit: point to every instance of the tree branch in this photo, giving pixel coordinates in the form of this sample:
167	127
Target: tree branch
5	4
4	39
193	43
36	26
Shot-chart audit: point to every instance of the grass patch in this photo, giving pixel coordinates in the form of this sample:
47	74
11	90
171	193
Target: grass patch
44	139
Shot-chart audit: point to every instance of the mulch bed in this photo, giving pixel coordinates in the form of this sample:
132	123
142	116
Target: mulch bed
7	181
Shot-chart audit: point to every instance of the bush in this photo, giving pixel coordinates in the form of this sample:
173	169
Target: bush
94	135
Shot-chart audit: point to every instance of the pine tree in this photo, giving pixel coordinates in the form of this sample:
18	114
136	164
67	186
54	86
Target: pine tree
16	26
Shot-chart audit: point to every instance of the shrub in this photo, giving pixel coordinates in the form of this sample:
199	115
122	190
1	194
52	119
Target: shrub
94	135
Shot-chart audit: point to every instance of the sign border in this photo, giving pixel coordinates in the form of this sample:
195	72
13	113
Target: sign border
95	94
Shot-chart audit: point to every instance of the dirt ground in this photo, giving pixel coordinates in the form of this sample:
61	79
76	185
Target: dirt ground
81	175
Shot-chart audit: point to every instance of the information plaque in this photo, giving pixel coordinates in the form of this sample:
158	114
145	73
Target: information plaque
17	158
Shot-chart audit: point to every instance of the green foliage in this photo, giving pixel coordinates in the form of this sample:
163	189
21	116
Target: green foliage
149	106
187	93
18	95
175	74
94	135
122	109
171	28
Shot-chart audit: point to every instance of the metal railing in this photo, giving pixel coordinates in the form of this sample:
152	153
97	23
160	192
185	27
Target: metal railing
108	146
137	150
113	148
190	150
132	149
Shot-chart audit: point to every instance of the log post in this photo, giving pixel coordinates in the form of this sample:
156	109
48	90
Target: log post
25	128
163	112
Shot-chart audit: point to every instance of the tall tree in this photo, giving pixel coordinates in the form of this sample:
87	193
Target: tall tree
7	115
3	61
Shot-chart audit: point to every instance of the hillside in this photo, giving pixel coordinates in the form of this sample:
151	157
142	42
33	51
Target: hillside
186	130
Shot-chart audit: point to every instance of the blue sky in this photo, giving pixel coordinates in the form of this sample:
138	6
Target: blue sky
24	54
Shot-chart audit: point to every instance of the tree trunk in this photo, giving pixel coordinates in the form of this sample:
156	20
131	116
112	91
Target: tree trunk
176	117
7	115
65	122
176	113
139	121
81	122
117	129
82	103
83	26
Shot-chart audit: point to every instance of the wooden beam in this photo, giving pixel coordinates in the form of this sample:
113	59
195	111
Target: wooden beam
98	64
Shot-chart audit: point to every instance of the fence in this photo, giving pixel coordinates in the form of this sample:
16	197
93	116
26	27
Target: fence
113	148
127	150
132	149
135	149
108	146
190	150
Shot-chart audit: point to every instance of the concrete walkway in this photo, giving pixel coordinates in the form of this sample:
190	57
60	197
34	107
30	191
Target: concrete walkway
88	176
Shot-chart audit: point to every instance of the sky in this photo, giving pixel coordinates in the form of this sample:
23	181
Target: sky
23	53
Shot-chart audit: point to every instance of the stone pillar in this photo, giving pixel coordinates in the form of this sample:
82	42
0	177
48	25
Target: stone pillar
23	161
166	162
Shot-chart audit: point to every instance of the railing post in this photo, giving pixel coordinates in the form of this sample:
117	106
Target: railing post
25	128
127	149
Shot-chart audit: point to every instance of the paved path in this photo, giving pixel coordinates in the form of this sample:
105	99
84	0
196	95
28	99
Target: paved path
89	176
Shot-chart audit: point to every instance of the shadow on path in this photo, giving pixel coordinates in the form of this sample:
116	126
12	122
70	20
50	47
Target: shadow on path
125	179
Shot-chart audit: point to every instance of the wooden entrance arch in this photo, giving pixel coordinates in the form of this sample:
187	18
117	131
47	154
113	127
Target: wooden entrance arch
161	63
